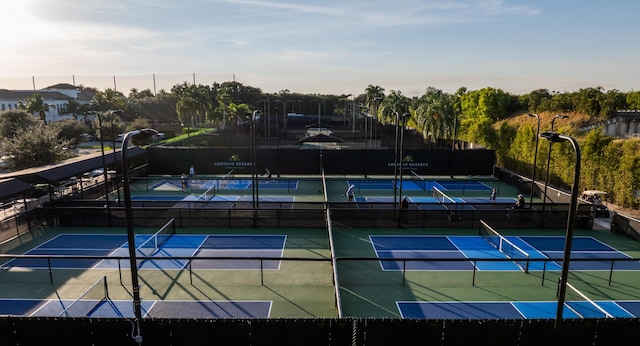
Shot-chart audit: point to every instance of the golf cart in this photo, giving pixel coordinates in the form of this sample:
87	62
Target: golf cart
595	197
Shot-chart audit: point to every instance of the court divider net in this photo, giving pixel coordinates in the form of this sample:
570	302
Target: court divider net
210	193
420	181
151	245
512	251
441	196
574	297
89	300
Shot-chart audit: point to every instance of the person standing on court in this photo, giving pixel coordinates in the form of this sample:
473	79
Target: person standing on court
493	195
404	209
192	171
183	178
350	193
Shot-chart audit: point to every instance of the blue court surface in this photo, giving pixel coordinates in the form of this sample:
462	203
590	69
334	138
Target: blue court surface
210	198
391	248
518	310
124	308
177	245
420	185
452	204
221	184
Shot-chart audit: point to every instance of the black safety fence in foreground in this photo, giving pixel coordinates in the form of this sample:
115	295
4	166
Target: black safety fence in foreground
51	263
316	331
312	215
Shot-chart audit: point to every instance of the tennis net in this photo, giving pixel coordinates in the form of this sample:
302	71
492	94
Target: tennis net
88	301
211	192
420	181
583	305
512	251
151	245
441	196
225	180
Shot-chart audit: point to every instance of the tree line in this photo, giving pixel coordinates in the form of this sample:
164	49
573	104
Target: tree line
486	117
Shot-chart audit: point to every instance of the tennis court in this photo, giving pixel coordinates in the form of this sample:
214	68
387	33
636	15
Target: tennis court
437	248
519	310
211	272
174	245
224	192
107	308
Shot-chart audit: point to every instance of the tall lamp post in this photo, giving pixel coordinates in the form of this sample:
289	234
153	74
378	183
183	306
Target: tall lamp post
254	153
453	142
395	163
400	153
546	178
104	168
374	132
133	263
535	159
113	145
555	137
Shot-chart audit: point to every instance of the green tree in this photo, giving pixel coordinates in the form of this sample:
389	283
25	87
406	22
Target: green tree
506	136
373	95
435	115
593	161
537	100
562	103
587	101
35	105
633	100
112	125
34	147
70	131
11	122
392	103
137	124
612	101
224	99
109	99
237	112
490	103
629	179
194	103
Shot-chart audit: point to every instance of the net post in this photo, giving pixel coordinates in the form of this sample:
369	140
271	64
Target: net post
106	287
50	272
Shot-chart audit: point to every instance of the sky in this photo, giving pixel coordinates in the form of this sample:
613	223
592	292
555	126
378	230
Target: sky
322	46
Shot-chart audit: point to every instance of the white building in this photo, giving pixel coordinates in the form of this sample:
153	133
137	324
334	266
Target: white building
56	96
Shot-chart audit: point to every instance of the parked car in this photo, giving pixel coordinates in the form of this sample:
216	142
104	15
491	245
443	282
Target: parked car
596	197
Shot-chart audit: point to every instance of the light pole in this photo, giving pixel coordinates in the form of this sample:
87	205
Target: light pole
555	137
374	134
254	152
395	163
113	144
133	263
535	158
400	153
453	143
546	178
104	168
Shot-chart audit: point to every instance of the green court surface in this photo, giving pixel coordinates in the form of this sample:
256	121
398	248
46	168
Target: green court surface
304	286
220	189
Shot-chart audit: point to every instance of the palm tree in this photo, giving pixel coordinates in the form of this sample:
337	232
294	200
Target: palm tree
435	114
224	101
35	104
394	102
372	97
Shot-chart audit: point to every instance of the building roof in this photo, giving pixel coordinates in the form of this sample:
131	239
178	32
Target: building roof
24	94
69	168
13	187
